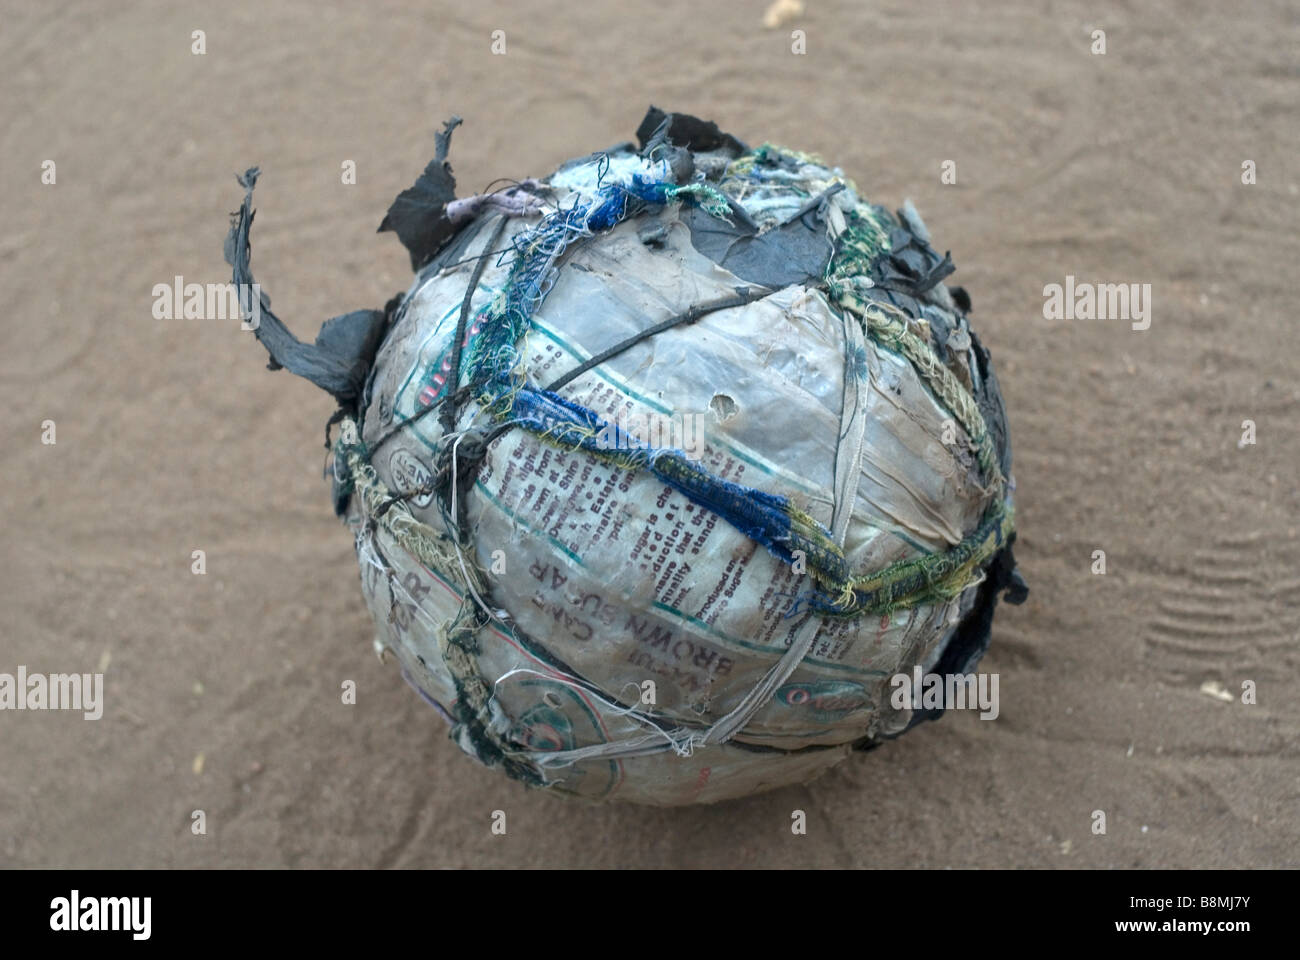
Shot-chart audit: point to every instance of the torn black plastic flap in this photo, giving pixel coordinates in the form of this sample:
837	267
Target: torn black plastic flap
989	400
680	160
345	347
419	214
686	131
795	252
970	642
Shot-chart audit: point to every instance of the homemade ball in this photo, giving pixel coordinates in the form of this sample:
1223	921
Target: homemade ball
666	465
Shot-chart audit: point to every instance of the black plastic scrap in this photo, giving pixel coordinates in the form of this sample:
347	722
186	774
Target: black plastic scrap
345	347
970	641
340	359
797	251
912	267
699	136
419	214
794	252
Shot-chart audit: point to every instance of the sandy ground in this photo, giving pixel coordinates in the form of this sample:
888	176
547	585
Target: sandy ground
222	690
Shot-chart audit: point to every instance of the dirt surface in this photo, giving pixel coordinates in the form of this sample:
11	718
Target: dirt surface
222	691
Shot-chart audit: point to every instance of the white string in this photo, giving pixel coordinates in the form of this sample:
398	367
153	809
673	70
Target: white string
615	707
